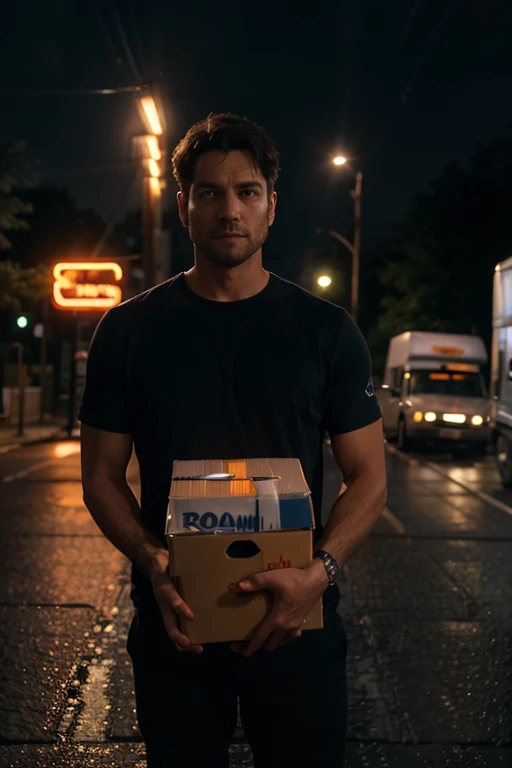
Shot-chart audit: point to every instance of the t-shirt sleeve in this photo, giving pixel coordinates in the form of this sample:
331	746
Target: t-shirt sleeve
105	399
352	403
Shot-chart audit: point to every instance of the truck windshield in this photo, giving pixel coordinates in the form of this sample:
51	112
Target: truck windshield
444	383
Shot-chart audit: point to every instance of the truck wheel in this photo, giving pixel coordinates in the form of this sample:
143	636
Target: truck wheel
504	458
403	442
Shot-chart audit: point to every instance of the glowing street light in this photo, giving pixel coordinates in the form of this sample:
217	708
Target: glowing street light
154	168
150	149
324	281
152	146
149	114
340	160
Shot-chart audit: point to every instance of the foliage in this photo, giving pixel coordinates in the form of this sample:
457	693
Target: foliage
22	287
15	171
439	276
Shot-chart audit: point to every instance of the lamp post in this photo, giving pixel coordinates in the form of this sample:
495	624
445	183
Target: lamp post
355	246
357	194
147	148
21	387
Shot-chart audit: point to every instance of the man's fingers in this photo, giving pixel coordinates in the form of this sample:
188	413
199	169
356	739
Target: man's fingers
255	643
259	639
179	606
290	636
171	606
167	595
255	583
238	647
275	639
183	643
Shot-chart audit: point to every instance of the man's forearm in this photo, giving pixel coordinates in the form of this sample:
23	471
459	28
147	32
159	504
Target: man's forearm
353	516
116	511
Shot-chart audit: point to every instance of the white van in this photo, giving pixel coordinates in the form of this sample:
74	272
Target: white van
501	368
434	390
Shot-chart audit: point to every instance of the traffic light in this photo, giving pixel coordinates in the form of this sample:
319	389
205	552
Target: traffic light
22	321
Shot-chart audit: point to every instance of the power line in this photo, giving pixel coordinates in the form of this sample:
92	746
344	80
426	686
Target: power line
138	44
136	87
428	49
410	20
110	43
407	87
129	55
91	168
115	210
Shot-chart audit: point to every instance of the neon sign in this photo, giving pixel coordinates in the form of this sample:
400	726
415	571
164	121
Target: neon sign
86	284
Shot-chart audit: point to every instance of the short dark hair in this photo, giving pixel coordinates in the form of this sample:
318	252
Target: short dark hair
224	132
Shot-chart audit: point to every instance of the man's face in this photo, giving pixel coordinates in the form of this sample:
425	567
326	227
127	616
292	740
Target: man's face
228	210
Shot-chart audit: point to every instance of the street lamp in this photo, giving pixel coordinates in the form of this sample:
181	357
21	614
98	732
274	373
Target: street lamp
153	168
148	148
355	247
149	115
324	281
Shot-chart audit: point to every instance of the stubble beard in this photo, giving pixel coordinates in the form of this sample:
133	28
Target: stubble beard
228	256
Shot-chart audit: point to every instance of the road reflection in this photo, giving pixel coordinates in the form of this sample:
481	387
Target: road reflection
62	449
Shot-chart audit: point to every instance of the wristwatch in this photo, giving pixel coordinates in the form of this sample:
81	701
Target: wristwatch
331	566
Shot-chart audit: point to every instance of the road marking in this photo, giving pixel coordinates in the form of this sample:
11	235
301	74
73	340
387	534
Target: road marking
401	455
10	447
431	465
72	449
393	521
480	494
28	471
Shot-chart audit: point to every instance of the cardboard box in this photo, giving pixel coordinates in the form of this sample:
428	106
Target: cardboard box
226	521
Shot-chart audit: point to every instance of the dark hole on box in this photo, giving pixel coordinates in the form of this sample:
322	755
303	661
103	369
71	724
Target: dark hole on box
242	549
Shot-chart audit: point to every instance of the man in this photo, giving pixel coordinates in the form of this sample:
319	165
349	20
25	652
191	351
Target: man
229	361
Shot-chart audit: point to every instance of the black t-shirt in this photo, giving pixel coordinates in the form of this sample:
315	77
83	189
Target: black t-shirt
191	378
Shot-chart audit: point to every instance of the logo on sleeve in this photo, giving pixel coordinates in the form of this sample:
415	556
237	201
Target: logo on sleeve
370	389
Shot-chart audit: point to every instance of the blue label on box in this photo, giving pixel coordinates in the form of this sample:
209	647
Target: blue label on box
209	521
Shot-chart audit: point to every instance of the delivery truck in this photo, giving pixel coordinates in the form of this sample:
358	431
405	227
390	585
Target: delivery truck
501	369
434	390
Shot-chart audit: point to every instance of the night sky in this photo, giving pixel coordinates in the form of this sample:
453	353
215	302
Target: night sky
403	87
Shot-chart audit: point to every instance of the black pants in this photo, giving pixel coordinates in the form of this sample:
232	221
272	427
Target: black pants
293	701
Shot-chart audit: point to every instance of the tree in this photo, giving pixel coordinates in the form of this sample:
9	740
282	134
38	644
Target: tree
15	171
440	274
22	287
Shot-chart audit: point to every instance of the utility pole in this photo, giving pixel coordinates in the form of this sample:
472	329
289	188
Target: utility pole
21	388
355	247
42	359
152	224
357	194
150	148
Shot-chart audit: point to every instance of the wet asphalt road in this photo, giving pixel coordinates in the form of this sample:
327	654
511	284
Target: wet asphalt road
426	603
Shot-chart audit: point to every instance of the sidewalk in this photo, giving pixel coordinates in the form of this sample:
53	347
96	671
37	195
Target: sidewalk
33	433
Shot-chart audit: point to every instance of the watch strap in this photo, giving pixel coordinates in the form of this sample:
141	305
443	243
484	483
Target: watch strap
331	566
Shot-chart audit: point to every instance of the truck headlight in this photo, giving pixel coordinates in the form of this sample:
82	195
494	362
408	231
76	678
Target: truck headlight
477	421
418	416
430	416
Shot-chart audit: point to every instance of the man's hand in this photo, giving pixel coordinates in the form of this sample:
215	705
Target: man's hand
171	606
295	592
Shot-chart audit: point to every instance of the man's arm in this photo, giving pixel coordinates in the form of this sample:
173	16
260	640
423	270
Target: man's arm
110	500
360	456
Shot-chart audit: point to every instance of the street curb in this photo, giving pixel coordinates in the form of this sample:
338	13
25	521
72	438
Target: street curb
20	442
